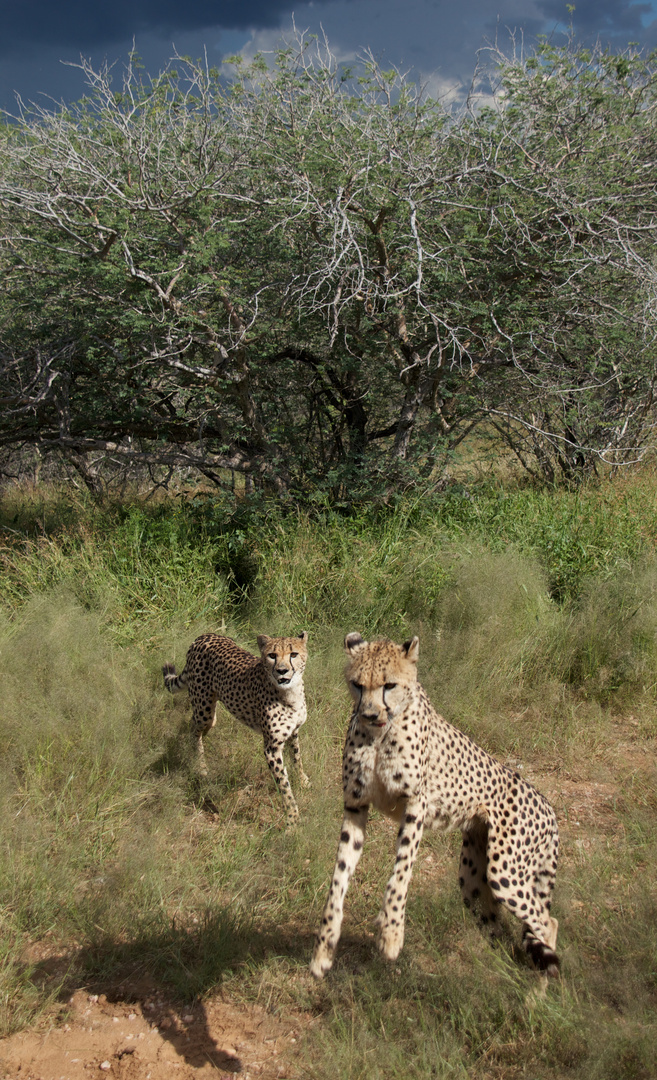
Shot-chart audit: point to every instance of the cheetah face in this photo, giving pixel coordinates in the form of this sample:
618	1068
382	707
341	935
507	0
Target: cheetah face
381	677
284	658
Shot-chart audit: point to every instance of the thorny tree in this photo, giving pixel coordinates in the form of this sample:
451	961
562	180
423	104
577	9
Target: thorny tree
323	280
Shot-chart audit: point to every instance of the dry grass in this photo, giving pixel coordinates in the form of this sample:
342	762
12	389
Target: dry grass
115	860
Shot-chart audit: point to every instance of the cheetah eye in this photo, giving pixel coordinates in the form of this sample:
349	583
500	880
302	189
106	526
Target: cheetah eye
390	685
356	685
293	654
272	655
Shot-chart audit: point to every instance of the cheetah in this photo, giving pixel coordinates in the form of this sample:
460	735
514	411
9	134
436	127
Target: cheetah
266	693
401	757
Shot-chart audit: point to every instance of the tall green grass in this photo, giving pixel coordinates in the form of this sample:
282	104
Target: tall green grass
537	617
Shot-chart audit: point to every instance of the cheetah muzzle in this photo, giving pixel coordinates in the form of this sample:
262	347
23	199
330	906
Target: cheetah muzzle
404	759
266	693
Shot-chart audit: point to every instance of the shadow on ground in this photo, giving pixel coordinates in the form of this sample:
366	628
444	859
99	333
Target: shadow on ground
172	980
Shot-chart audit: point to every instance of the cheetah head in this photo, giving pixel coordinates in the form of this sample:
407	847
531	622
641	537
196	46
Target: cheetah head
381	677
284	658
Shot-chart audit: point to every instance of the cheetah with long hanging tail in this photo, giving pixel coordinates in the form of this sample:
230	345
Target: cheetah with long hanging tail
404	759
265	692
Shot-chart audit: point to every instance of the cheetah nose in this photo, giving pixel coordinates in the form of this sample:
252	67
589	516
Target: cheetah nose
368	714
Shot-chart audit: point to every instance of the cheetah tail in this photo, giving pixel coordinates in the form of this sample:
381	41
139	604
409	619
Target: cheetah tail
172	682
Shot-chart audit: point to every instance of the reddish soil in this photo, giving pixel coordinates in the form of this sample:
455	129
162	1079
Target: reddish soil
154	1041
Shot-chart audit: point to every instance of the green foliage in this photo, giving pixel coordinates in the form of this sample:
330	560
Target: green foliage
136	565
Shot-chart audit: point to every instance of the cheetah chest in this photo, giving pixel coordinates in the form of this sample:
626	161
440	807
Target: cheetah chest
384	773
260	708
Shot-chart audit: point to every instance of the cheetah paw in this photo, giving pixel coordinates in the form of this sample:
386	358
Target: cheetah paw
390	940
321	962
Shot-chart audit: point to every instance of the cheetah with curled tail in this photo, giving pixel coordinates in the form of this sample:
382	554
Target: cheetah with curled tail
401	757
266	693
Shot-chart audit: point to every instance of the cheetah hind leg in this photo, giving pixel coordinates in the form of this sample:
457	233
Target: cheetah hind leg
538	992
204	718
539	935
542	949
198	754
473	876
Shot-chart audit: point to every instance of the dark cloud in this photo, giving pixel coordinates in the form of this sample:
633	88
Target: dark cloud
433	40
86	25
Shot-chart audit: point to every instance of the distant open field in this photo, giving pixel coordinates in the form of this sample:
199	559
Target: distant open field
152	919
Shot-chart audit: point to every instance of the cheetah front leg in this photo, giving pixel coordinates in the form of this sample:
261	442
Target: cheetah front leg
391	917
350	849
296	757
274	758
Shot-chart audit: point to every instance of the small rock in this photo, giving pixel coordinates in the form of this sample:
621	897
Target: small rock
105	1066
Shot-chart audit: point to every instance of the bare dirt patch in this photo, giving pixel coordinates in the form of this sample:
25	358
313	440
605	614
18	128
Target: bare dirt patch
154	1040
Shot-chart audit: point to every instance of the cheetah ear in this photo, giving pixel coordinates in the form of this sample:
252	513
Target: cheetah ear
303	636
412	649
353	641
263	642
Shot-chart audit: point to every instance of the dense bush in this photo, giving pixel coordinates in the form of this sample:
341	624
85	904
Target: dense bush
322	281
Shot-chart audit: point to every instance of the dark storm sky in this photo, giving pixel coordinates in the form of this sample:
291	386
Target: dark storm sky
435	39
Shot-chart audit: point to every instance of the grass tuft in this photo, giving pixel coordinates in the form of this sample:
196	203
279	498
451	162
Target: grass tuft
537	617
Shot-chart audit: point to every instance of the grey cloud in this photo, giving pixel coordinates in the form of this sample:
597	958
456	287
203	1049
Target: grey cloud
434	40
85	25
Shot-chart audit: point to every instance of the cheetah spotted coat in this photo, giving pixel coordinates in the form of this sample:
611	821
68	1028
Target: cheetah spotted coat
401	757
266	693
